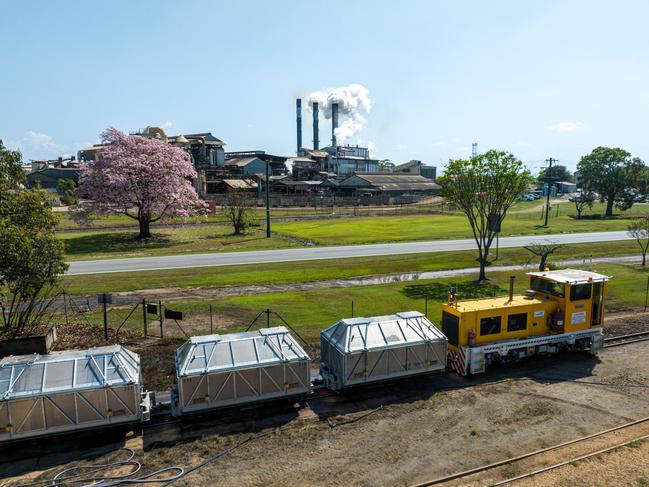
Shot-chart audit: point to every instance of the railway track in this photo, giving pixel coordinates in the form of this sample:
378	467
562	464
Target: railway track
539	461
616	341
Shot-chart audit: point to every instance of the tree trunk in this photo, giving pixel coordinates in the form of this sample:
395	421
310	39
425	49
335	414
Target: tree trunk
609	205
145	227
644	258
483	274
544	258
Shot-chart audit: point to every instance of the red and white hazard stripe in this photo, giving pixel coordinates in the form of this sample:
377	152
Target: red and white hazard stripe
457	362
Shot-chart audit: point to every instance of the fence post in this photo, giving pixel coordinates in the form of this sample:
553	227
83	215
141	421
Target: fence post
426	307
352	308
105	318
65	308
267	317
211	322
161	320
144	317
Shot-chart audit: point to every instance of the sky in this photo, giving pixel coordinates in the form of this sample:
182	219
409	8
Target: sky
539	79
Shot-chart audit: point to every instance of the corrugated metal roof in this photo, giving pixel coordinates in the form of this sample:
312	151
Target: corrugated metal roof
29	375
571	276
241	161
210	353
358	334
393	182
240	184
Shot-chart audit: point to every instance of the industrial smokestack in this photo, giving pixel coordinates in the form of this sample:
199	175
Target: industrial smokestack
334	123
316	141
298	108
511	288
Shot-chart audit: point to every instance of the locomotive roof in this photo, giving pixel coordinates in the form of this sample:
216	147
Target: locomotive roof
212	353
502	302
28	375
571	276
376	332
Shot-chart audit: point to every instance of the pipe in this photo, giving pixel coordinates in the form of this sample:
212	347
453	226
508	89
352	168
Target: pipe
334	123
316	142
511	288
298	108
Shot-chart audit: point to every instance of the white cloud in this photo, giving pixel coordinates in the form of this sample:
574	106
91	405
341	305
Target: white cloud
35	145
438	143
401	147
565	126
167	125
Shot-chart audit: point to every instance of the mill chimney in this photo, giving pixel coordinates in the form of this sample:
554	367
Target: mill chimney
298	108
334	123
316	142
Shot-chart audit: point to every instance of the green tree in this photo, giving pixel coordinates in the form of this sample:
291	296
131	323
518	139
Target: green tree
65	188
238	209
31	257
611	172
484	188
639	229
559	173
583	201
385	164
543	250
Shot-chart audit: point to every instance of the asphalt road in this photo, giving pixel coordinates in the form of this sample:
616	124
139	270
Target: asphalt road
317	253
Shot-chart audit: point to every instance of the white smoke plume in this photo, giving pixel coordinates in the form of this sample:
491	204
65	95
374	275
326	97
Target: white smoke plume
354	104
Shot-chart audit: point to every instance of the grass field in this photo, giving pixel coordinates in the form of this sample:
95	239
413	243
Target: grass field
307	271
189	238
311	311
341	231
396	229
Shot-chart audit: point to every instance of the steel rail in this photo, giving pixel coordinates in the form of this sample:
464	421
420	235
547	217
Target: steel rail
484	468
567	462
616	341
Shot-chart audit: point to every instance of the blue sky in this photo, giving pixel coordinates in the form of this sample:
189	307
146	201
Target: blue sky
540	79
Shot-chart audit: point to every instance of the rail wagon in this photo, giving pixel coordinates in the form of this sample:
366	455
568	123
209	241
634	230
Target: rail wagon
562	309
70	390
216	371
356	351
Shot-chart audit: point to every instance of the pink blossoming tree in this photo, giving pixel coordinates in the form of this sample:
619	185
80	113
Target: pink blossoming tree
145	179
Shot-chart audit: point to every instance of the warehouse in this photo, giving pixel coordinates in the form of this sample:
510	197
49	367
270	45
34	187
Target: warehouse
389	184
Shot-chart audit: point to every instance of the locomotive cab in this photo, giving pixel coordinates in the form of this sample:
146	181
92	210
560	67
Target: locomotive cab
561	309
579	296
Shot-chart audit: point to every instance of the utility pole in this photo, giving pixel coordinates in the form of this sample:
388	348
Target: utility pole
548	180
474	149
267	199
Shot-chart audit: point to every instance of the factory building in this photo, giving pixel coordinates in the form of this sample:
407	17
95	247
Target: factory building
416	167
340	159
387	184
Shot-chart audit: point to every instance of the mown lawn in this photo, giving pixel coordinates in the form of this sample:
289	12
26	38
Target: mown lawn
449	226
308	271
341	231
311	311
185	239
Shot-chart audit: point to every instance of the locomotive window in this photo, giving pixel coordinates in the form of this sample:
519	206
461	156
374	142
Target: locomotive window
450	328
580	291
490	326
517	322
548	287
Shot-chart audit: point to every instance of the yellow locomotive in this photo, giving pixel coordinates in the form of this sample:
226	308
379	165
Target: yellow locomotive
562	309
